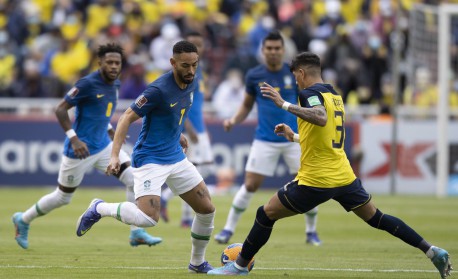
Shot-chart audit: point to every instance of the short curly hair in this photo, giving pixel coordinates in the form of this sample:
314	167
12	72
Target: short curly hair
110	47
184	47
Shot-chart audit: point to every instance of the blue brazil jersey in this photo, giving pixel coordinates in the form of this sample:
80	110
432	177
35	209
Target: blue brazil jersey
196	115
95	101
164	108
269	114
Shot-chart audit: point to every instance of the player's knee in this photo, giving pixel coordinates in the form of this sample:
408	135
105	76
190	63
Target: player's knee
376	219
251	187
207	208
210	209
262	218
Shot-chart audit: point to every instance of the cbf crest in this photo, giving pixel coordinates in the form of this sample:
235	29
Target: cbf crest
191	97
147	184
288	80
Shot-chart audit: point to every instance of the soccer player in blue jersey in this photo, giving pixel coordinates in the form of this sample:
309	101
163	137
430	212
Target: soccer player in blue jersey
325	172
199	149
267	147
88	143
159	157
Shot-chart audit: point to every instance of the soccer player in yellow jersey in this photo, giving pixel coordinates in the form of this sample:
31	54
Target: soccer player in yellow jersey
325	172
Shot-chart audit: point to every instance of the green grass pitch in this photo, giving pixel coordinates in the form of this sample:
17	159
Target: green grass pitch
351	249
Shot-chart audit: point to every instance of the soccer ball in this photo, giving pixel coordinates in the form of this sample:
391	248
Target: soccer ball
230	255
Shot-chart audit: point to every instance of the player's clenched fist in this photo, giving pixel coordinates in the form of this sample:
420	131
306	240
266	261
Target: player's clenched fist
79	148
114	166
228	124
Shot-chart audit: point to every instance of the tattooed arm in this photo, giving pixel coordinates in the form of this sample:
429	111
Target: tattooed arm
315	115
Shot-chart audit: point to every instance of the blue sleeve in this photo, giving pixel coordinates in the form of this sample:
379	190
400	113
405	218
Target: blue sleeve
147	101
310	98
78	92
250	87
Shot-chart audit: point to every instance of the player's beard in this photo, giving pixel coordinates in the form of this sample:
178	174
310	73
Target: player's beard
109	76
186	81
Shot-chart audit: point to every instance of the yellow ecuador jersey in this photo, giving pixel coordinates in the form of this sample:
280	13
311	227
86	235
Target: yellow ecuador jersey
324	163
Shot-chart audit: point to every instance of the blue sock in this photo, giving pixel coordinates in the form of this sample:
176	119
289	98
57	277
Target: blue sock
396	227
258	236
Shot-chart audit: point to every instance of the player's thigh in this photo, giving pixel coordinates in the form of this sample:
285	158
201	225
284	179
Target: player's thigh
263	158
292	156
301	198
149	178
105	155
183	177
71	171
354	197
187	182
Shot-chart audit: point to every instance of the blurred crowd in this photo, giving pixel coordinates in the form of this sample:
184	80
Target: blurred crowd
46	45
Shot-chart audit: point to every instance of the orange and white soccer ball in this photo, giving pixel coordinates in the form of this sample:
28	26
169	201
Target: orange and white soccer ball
230	255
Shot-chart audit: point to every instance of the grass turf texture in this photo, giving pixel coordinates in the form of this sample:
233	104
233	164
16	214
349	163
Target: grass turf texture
351	249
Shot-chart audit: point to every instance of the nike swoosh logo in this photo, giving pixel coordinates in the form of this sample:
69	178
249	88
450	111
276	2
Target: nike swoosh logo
84	231
172	105
100	96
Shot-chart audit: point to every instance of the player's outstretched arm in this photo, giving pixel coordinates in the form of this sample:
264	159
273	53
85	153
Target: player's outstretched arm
79	148
315	115
127	118
242	113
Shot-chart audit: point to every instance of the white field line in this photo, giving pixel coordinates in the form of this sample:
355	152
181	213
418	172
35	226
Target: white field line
176	268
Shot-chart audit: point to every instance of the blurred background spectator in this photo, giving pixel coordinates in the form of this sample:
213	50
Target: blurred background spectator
229	94
45	46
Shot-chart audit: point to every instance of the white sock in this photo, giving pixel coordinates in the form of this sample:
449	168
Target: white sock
126	212
311	218
127	178
46	204
430	252
201	230
239	205
130	195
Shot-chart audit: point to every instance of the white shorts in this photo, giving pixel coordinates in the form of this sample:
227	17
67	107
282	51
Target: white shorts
72	171
201	154
264	156
181	177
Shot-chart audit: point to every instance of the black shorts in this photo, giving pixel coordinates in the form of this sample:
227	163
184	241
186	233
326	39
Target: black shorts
300	198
